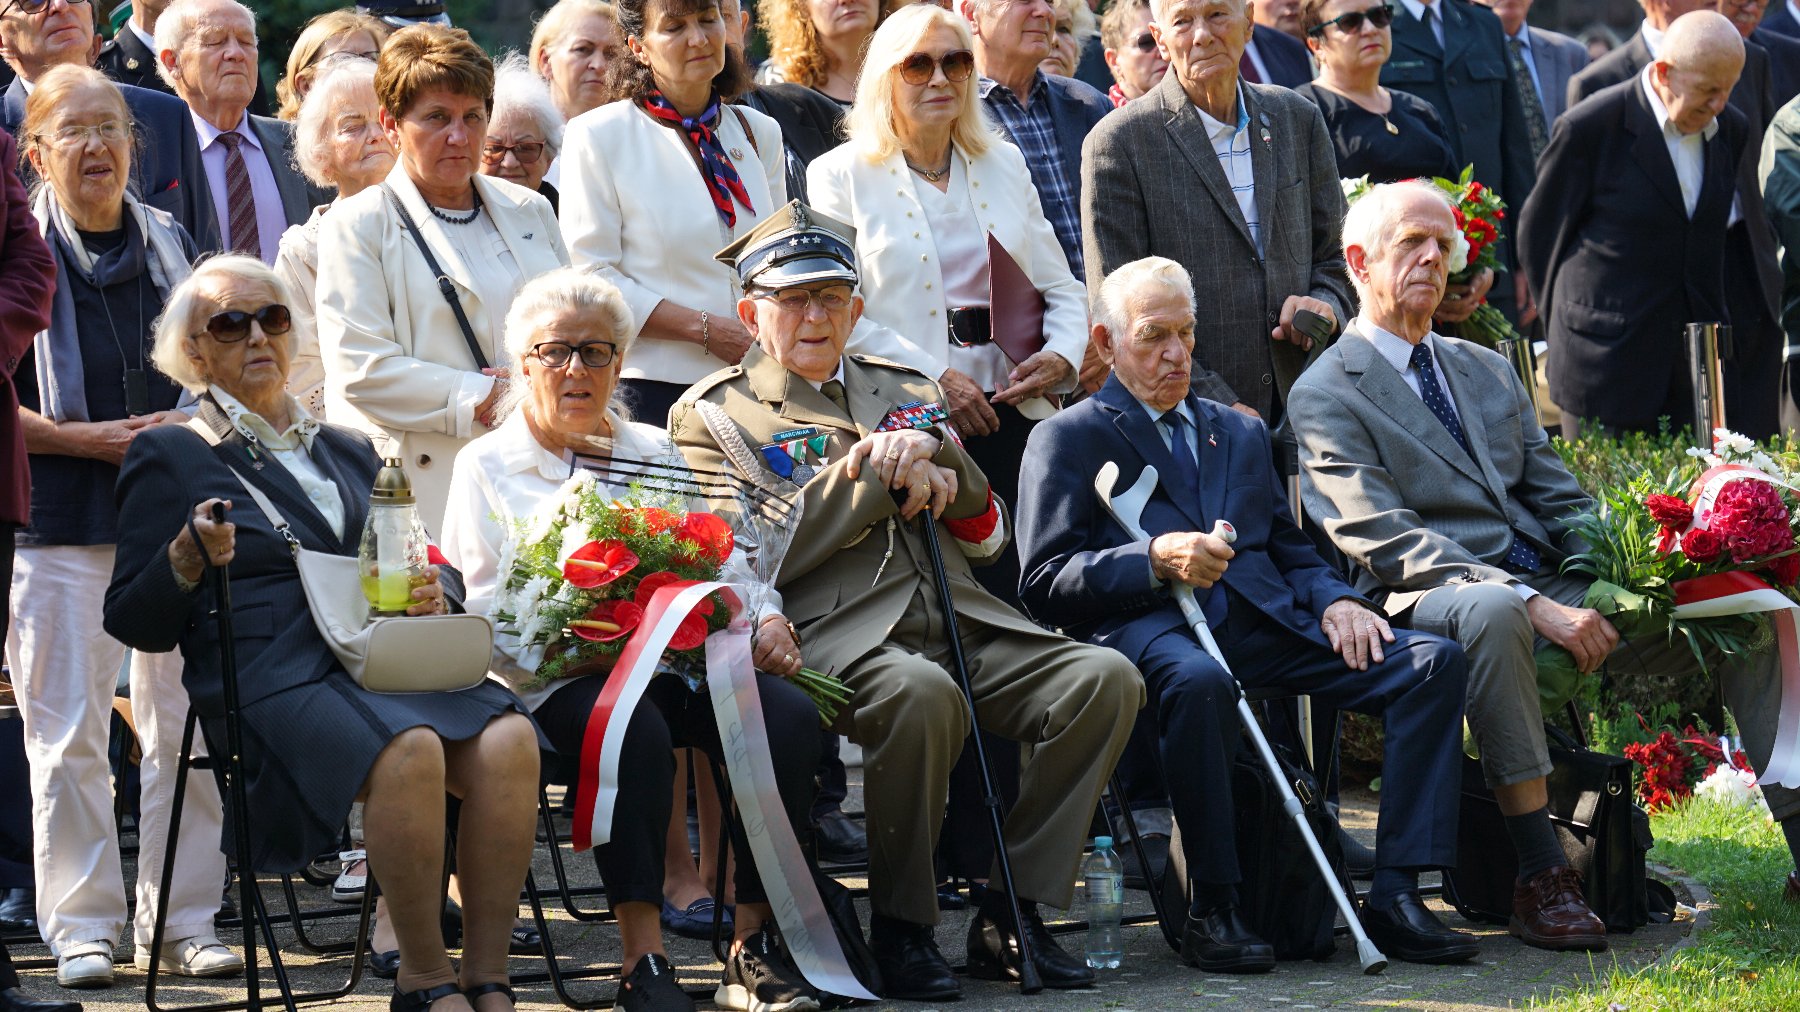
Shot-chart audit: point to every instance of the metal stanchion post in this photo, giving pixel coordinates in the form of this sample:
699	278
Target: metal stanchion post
1705	343
1519	353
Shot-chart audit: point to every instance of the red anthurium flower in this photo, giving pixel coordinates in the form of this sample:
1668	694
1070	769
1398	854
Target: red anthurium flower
608	621
599	563
691	633
654	520
712	534
654	582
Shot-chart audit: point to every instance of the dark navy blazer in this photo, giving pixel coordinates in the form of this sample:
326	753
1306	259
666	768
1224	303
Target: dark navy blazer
1081	570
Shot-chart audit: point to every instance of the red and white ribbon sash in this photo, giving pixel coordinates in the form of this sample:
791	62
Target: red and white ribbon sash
806	930
1740	593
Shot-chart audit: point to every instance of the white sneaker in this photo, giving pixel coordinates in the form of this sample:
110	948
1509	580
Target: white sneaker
85	965
199	956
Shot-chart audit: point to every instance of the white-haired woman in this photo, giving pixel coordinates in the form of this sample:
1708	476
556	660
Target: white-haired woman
927	182
569	331
524	130
1075	28
339	143
314	740
86	393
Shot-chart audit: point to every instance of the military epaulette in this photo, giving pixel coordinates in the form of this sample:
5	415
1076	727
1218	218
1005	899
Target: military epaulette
887	363
707	382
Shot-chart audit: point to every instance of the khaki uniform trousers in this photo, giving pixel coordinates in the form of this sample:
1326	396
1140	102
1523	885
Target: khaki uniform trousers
1490	622
1072	704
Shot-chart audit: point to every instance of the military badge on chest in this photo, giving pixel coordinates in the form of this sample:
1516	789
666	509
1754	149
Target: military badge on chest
797	454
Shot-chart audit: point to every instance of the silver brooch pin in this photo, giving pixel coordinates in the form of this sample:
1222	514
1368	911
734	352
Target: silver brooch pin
737	153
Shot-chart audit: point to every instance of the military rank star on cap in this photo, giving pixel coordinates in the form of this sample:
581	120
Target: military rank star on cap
794	246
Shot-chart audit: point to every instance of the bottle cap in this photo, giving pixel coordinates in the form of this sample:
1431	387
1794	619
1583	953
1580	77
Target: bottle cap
1102	842
392	486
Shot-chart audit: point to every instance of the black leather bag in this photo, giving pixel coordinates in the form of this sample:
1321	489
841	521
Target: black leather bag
1603	831
840	907
1281	896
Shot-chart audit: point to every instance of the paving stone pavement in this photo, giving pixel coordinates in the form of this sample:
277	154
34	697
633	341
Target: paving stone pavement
1152	977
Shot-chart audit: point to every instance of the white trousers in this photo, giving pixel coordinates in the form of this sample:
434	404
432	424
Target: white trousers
65	668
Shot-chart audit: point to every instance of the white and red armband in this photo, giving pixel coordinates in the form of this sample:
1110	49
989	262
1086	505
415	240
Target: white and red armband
982	535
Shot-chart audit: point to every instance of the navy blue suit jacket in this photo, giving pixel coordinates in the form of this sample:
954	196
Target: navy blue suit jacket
1285	56
1074	107
166	172
1082	572
1779	21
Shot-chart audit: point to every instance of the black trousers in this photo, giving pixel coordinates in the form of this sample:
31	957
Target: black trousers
650	400
9	977
667	718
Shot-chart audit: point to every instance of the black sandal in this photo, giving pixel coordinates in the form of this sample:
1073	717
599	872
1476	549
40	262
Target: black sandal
491	987
420	1001
525	941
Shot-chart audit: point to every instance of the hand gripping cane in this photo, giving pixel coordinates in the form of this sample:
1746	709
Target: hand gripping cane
1127	508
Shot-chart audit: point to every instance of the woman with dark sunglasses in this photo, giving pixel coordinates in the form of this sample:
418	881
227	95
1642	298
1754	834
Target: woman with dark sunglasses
1384	134
1131	52
86	392
314	740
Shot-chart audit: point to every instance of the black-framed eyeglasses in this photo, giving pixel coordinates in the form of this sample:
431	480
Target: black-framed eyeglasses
35	6
834	299
233	325
527	153
1144	43
1351	23
958	64
556	354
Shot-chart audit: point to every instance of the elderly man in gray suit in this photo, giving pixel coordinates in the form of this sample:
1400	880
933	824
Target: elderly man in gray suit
1423	461
1236	182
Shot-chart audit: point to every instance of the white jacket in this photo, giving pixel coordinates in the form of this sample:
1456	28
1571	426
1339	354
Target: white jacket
396	363
905	318
634	207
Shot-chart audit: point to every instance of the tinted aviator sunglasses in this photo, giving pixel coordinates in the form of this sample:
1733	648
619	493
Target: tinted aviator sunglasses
958	64
233	325
1351	23
1145	42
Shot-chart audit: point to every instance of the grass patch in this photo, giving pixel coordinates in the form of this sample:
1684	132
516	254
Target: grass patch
1749	958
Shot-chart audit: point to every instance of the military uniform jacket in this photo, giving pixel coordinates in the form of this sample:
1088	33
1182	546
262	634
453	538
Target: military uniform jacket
838	584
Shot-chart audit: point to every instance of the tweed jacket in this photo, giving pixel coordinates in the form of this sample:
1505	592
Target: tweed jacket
1152	185
838	583
1397	494
1558	58
396	363
905	317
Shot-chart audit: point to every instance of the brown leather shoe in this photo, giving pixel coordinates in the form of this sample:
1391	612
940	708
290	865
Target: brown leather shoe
1550	912
1791	890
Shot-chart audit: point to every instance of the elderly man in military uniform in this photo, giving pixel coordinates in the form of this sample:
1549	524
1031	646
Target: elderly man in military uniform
860	445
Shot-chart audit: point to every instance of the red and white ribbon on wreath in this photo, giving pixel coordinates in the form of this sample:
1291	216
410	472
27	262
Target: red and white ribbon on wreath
806	929
1741	593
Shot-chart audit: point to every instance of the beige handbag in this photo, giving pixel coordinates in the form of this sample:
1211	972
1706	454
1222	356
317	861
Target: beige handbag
411	653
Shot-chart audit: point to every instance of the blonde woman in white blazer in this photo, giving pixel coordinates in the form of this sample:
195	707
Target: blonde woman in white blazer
636	207
397	363
925	179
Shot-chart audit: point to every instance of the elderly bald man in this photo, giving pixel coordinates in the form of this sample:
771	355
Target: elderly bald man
206	51
1627	243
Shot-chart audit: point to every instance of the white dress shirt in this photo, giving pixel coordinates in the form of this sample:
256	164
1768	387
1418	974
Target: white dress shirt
1686	151
1231	142
1417	9
292	449
271	217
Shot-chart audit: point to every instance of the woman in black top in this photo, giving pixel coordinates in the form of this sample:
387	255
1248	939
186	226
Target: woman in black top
1384	134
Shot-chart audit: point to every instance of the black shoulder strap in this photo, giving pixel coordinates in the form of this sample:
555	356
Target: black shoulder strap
445	286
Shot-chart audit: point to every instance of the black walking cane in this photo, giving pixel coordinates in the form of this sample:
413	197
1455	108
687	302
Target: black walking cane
1029	980
234	768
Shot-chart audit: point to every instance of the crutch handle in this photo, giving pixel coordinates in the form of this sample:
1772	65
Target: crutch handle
1223	530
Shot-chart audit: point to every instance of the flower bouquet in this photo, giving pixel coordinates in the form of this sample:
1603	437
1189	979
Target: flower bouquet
1701	553
577	579
1680	764
1479	212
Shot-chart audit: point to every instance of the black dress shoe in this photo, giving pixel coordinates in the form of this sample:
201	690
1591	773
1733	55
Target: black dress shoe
525	941
1220	942
1407	929
994	946
18	909
912	968
14	1000
839	840
385	965
1156	852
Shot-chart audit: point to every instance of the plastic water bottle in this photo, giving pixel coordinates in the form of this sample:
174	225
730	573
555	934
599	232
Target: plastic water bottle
1105	877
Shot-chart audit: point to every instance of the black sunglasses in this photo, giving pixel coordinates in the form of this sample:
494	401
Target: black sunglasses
1145	42
958	64
1351	23
556	354
34	6
233	325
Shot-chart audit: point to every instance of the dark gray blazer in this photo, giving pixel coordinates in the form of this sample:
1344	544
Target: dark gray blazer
298	195
1152	185
1558	58
1779	21
1400	497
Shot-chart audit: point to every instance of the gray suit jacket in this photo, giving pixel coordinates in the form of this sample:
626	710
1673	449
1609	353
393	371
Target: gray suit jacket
1152	185
298	196
1400	497
1558	58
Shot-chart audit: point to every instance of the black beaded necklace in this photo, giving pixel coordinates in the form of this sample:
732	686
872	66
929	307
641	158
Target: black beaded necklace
472	215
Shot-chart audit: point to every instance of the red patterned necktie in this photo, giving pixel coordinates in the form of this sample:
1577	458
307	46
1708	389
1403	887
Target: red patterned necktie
240	202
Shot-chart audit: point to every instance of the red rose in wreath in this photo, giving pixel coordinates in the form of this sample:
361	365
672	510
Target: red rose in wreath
599	563
608	621
1701	546
1669	510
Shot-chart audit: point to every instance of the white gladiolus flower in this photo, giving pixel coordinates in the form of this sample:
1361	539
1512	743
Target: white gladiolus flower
1458	260
1733	443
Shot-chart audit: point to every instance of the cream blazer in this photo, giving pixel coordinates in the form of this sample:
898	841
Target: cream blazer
905	318
396	363
634	208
